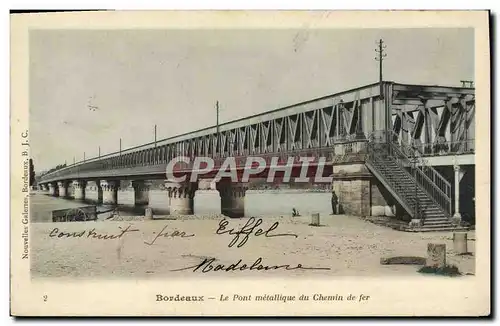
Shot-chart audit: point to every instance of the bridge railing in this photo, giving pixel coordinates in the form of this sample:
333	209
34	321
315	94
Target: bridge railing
88	162
346	152
340	151
446	148
409	159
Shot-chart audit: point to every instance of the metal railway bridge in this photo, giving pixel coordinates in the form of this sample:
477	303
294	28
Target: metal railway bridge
425	132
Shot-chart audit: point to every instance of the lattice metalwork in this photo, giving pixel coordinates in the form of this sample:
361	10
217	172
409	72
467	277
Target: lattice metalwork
435	119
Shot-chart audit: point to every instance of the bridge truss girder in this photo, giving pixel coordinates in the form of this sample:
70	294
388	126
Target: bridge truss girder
420	114
434	116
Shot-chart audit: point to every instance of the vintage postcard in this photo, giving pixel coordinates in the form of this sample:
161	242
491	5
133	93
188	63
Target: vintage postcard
241	163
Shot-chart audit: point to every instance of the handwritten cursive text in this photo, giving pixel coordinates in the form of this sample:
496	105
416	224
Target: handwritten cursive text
92	233
249	228
207	265
165	234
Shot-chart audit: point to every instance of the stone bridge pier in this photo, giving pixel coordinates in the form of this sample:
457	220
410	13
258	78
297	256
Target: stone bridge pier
141	192
109	190
232	197
79	189
93	191
181	197
63	188
361	194
53	190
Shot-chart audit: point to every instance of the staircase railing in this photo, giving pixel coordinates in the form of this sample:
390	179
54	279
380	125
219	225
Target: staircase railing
426	177
377	155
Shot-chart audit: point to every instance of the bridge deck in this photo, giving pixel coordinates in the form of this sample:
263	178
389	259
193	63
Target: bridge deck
418	114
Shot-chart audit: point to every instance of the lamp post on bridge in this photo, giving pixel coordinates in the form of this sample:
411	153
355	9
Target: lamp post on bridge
217	146
380	58
155	136
217	114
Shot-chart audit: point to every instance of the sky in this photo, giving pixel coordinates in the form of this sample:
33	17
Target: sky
172	78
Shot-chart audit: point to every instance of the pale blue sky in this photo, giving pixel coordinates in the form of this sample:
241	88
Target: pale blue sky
172	78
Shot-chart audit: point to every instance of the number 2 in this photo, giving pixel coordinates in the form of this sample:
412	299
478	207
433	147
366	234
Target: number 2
45	298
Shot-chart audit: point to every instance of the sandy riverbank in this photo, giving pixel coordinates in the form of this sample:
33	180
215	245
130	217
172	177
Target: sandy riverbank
347	245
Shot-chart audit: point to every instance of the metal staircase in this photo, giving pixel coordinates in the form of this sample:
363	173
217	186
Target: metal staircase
418	187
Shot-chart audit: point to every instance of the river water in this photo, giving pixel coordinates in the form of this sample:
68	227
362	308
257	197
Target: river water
258	203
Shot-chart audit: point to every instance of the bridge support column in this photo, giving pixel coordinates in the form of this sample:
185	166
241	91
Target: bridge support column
53	190
63	188
181	197
232	199
93	191
109	192
79	189
458	174
141	192
351	183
